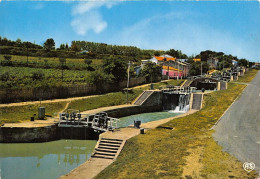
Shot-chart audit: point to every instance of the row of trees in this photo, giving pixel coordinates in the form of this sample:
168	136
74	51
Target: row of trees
18	43
77	49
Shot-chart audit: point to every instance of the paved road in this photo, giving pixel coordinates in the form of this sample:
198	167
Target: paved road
238	131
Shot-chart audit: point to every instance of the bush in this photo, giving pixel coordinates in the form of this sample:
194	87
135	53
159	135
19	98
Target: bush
5	76
37	75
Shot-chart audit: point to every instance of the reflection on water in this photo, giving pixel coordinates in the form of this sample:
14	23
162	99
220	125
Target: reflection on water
43	160
145	117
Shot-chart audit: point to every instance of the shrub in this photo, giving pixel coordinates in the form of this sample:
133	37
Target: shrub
38	75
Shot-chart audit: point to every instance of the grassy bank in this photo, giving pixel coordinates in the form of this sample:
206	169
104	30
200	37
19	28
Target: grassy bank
188	151
116	98
16	114
248	76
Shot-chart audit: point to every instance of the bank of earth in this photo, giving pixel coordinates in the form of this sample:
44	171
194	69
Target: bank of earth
188	151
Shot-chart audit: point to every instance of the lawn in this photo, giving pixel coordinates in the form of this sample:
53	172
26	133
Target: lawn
188	151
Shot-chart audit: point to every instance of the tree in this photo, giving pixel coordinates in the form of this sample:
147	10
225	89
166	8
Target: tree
151	71
116	67
62	46
18	42
157	53
49	44
242	62
75	47
98	78
195	68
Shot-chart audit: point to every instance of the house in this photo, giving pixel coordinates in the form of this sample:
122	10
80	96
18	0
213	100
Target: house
143	62
212	62
171	72
161	59
137	70
171	67
234	63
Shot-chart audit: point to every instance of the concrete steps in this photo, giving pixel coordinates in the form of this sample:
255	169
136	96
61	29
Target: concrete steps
197	101
187	83
141	99
108	148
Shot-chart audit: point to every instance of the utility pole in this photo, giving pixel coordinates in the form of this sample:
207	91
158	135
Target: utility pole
201	68
128	79
178	70
27	46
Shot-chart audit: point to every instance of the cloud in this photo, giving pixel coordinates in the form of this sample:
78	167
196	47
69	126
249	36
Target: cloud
89	21
178	31
87	16
38	6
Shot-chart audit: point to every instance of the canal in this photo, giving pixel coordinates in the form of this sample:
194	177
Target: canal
43	160
54	159
145	117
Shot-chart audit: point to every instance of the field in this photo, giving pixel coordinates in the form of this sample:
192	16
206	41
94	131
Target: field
42	72
188	151
49	62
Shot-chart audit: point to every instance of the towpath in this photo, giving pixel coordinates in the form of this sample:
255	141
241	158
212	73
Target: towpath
63	100
94	166
238	131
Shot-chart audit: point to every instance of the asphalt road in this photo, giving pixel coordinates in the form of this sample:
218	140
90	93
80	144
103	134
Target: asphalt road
238	131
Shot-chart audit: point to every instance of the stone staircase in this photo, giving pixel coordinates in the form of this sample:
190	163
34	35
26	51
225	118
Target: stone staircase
108	148
197	101
141	99
186	83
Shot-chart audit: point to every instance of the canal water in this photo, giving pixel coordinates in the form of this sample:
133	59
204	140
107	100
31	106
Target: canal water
43	160
51	160
145	117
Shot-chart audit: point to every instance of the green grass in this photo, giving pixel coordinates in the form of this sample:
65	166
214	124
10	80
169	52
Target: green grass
162	153
248	76
17	114
51	60
22	77
23	113
116	98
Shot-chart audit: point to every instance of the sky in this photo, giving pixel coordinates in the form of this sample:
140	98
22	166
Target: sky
232	27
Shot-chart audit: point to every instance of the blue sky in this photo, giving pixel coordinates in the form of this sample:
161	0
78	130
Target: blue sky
229	26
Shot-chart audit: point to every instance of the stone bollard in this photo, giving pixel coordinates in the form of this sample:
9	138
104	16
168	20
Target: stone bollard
41	113
142	131
137	124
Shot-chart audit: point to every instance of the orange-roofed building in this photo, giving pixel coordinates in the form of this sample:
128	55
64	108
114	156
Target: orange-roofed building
161	59
171	72
196	59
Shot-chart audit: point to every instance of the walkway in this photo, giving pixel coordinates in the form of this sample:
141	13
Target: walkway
94	166
238	131
64	100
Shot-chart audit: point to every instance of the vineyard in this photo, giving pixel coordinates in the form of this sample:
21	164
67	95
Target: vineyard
25	77
50	62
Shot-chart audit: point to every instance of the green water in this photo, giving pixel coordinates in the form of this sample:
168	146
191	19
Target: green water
145	117
47	160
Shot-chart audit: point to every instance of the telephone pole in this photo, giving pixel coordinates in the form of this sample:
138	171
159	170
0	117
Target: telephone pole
128	79
201	68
